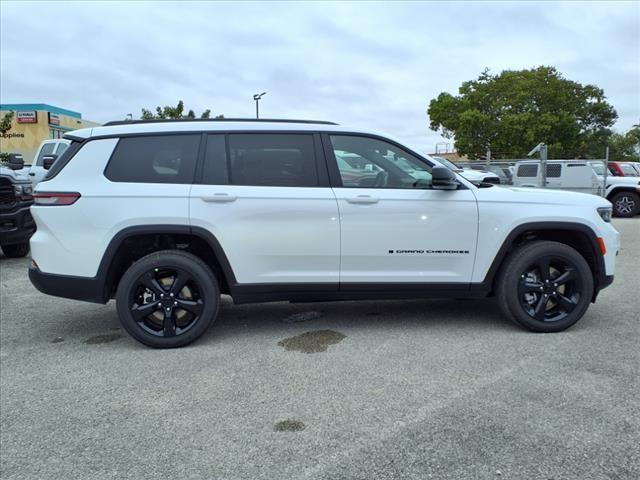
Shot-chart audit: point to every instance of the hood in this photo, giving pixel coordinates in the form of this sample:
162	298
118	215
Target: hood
611	180
13	174
477	175
540	196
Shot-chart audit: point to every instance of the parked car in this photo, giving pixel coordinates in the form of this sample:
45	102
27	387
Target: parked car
53	148
585	177
474	176
622	169
503	173
166	216
16	223
630	169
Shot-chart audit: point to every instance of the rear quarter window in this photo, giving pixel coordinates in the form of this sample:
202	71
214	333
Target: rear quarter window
154	159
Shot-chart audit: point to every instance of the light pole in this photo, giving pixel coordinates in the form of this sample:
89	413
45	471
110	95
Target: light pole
257	98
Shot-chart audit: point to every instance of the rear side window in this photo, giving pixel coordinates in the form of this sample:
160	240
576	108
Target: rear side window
527	170
154	159
275	160
554	170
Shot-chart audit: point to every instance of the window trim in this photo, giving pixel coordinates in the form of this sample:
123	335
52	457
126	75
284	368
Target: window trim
332	163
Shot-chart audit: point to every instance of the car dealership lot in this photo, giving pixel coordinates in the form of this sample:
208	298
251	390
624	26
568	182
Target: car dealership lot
395	389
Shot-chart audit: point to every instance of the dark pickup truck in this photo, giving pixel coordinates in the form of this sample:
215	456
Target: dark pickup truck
16	222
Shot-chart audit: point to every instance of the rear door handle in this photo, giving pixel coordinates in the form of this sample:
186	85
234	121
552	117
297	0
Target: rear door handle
363	199
219	198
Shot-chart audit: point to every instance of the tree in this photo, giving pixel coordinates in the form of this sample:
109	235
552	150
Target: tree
5	123
512	112
174	113
625	147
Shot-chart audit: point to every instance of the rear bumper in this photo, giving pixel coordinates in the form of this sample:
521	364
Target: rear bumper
87	289
16	226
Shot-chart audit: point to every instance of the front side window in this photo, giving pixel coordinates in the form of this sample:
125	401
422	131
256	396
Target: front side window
554	170
154	159
47	149
365	162
272	160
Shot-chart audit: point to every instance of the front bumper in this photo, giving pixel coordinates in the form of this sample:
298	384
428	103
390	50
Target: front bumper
16	225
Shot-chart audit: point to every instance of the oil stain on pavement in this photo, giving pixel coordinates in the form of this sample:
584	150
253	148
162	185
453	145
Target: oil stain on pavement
98	339
289	426
312	342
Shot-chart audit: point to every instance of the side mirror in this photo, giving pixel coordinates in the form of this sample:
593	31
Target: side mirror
48	161
443	179
15	161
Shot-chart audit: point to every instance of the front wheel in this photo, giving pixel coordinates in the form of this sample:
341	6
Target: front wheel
16	250
545	286
167	299
625	204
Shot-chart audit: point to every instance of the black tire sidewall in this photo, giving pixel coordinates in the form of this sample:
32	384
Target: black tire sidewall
201	273
16	250
636	199
519	261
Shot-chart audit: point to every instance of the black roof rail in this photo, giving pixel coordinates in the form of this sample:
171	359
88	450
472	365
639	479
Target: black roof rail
170	120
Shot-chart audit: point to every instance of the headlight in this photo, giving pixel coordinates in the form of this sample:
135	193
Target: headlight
605	213
23	191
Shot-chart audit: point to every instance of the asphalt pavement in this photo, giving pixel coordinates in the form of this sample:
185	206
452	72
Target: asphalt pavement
420	389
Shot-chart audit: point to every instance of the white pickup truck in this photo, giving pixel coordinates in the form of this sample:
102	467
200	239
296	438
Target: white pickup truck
52	147
582	176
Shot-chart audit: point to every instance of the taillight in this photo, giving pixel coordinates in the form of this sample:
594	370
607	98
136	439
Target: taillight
55	198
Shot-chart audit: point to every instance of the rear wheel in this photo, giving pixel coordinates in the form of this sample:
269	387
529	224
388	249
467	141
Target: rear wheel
626	204
16	250
167	299
545	286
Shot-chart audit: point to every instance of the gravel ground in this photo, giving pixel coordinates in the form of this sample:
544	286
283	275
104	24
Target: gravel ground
352	390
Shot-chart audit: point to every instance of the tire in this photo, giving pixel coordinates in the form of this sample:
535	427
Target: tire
16	250
625	204
167	299
522	285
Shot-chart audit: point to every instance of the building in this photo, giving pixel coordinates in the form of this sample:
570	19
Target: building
34	122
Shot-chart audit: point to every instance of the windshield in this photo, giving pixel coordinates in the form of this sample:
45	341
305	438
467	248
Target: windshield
598	168
628	170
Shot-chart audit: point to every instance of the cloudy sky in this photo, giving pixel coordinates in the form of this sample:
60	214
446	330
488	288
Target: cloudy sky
375	65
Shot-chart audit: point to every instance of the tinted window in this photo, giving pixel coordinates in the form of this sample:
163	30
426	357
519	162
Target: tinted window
371	163
272	160
527	170
47	149
61	148
154	159
215	162
554	170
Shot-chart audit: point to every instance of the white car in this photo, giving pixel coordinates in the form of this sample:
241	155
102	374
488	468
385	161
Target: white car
475	176
582	176
166	216
53	148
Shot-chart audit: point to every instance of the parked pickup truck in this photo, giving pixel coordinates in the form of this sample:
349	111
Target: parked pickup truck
16	223
582	176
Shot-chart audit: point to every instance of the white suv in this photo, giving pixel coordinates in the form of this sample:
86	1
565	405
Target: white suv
166	216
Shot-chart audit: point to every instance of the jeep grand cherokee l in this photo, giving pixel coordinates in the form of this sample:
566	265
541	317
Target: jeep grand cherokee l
165	216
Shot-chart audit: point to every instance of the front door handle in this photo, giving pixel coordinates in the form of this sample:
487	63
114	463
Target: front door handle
32	174
363	199
219	198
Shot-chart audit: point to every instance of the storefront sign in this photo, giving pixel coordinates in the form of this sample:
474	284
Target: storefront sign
27	117
54	119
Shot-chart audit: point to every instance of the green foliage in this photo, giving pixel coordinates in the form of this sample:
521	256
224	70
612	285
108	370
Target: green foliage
5	123
512	112
173	113
625	147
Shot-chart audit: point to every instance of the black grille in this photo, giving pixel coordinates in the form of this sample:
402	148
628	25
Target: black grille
7	193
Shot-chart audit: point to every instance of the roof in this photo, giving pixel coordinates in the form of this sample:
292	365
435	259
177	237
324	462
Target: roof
39	106
124	128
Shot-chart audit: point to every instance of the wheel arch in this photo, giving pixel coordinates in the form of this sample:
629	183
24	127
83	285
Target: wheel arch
134	242
576	235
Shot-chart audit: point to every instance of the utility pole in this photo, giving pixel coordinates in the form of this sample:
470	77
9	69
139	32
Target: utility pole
606	172
541	149
488	157
257	98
